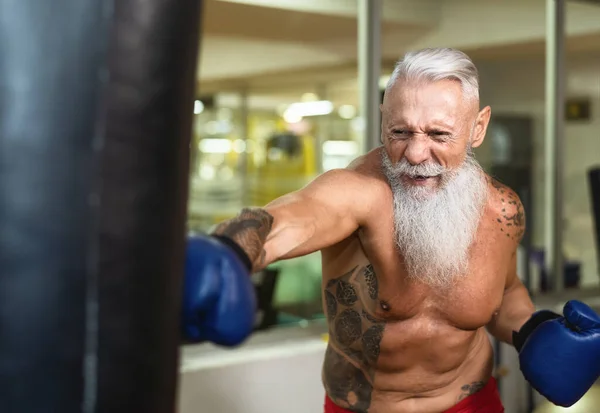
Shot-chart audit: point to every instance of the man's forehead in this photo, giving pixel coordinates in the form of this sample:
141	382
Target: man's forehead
430	121
439	92
440	101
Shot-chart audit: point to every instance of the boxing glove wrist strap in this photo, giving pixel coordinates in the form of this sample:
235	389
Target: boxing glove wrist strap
239	251
536	319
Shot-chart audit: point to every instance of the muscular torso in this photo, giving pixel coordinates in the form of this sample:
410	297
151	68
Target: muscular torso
400	346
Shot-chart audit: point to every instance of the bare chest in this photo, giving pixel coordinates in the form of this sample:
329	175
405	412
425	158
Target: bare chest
367	275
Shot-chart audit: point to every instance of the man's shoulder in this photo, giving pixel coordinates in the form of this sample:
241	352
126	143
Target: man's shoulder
502	196
357	184
368	166
363	170
360	187
506	208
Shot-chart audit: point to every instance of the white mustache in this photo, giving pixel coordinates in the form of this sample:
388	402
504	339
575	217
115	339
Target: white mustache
428	169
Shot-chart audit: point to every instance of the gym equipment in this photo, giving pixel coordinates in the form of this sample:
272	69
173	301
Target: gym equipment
96	102
289	165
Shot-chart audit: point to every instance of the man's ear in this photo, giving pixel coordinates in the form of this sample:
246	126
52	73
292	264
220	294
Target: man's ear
481	124
381	111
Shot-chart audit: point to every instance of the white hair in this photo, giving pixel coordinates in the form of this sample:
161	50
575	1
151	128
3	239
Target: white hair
434	64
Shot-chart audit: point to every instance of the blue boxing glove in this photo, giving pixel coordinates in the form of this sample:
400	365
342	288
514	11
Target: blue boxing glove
219	300
560	355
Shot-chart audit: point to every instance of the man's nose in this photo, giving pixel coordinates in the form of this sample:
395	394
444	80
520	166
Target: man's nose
417	150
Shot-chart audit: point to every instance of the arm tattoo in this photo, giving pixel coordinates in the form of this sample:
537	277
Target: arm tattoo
470	389
249	230
512	219
355	338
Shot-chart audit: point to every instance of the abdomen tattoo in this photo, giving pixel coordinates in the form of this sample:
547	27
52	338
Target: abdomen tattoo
354	338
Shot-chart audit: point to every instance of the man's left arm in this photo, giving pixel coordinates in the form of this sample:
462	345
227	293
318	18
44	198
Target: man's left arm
559	354
516	307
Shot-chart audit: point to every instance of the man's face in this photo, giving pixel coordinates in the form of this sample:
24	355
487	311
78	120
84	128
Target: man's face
430	124
438	186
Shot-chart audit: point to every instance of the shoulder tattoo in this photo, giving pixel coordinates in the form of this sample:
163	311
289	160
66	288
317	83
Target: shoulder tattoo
511	219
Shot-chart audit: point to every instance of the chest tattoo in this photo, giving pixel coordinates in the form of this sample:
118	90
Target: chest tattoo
355	338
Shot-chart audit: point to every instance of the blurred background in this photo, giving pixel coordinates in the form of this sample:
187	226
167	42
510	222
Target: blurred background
285	91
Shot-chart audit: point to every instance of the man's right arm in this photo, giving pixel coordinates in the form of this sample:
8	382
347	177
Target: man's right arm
321	214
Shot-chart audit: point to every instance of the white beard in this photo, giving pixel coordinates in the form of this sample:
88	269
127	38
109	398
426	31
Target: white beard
434	229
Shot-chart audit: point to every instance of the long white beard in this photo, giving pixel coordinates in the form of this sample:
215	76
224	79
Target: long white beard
434	229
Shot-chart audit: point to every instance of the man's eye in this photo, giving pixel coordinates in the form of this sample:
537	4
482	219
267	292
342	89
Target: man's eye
400	132
440	136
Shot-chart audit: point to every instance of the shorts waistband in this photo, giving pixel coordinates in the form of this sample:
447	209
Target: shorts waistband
486	400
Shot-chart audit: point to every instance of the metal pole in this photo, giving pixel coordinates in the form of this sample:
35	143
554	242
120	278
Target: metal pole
323	130
555	101
369	69
245	132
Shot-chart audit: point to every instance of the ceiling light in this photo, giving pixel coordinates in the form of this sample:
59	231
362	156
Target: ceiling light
317	108
347	111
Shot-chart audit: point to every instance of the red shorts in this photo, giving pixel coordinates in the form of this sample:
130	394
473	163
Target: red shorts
486	400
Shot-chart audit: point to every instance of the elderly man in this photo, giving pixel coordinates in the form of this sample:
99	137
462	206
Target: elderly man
419	260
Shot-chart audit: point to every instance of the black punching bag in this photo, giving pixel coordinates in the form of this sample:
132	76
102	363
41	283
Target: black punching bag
96	105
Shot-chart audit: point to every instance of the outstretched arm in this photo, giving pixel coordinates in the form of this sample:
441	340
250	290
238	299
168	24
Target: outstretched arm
319	215
249	230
